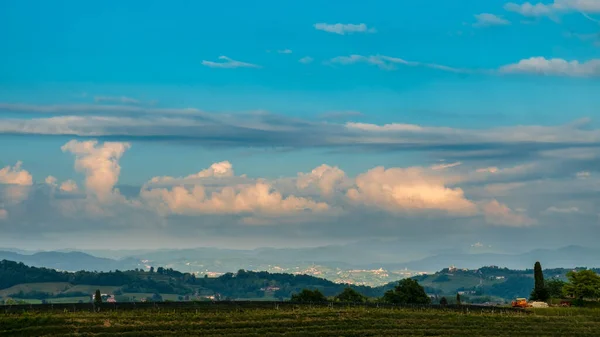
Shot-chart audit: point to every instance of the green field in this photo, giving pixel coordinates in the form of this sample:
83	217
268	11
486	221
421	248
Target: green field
49	287
303	321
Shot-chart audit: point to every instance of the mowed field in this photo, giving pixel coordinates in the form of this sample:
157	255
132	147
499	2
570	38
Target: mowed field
302	321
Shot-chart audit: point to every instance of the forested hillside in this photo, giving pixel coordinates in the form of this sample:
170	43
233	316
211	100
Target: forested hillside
486	283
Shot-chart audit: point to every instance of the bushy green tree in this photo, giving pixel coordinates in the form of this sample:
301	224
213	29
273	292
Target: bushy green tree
307	295
582	284
350	295
443	302
555	288
156	297
408	291
539	292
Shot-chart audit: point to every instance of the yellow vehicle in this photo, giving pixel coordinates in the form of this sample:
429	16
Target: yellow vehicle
520	303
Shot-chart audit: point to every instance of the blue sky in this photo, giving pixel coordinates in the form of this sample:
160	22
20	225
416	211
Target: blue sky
278	88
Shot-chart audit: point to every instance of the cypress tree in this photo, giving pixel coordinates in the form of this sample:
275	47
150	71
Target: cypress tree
539	293
97	297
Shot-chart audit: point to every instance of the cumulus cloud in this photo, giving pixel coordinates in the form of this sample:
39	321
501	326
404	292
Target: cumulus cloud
554	67
487	20
257	198
344	28
227	62
325	177
50	180
18	183
500	214
313	199
409	190
221	169
66	186
99	163
15	175
69	186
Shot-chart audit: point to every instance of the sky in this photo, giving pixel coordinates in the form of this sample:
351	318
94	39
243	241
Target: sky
144	124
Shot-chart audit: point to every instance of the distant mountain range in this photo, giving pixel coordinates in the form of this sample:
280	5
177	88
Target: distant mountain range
571	256
69	261
336	263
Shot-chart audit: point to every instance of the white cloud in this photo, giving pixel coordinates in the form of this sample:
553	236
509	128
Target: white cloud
228	63
487	19
528	9
69	109
306	60
116	99
256	198
567	210
220	170
500	214
389	63
325	177
533	65
554	67
344	28
50	180
15	175
100	163
445	166
18	181
409	190
555	7
68	186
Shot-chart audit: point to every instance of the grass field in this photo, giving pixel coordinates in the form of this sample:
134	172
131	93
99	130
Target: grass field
48	287
303	321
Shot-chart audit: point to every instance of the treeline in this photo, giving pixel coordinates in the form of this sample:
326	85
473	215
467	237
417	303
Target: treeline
248	284
243	284
163	280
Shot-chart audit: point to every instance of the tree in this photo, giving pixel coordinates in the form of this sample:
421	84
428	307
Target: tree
443	302
152	269
539	292
458	299
97	297
310	296
350	295
555	288
582	284
408	291
156	297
